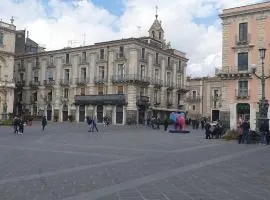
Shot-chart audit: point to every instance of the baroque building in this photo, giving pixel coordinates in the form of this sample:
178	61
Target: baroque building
245	30
7	52
204	98
128	80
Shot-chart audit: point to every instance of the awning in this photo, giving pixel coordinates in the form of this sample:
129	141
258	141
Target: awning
109	99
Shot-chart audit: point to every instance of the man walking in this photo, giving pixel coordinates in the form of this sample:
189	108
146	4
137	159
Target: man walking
94	125
43	122
245	127
264	129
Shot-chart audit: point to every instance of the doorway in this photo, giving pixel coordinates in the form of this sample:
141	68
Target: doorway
100	113
215	115
243	111
119	114
81	113
49	112
65	113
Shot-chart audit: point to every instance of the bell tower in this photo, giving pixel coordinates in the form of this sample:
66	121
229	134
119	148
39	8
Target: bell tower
156	31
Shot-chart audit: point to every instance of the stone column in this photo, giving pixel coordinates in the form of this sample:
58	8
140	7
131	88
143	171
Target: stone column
133	61
43	66
131	112
29	73
110	71
92	69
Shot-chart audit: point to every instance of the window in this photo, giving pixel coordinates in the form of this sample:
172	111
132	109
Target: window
50	76
193	107
156	74
51	59
84	56
101	72
155	96
120	71
67	58
36	76
35	96
82	91
121	51
178	98
153	34
1	39
169	97
169	60
143	53
66	93
159	35
21	77
178	80
120	89
243	88
83	74
194	94
156	58
101	54
215	93
179	65
242	61
243	31
50	95
66	75
37	62
168	77
100	90
142	71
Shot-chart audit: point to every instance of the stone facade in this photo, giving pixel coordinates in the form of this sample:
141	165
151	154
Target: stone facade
245	30
7	50
204	98
127	80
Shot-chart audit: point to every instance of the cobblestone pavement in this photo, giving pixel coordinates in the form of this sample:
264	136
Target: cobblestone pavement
128	163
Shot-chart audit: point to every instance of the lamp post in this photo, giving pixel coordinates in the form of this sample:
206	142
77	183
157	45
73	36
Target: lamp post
263	103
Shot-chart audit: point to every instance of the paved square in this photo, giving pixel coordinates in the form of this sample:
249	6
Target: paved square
128	163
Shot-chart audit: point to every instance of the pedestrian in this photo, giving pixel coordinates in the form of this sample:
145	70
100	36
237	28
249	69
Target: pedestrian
43	122
21	126
264	130
202	124
240	134
94	125
207	130
246	129
89	122
15	124
166	124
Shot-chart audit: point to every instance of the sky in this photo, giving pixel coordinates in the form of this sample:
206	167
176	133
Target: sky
192	26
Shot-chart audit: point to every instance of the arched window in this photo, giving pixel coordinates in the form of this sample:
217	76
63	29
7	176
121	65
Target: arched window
159	35
153	34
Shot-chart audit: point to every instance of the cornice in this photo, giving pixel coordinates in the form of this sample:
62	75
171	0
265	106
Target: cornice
7	53
244	12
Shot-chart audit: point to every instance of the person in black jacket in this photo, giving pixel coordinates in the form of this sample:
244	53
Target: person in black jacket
43	122
264	130
207	130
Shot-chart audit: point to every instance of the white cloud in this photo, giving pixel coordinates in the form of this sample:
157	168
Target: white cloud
201	42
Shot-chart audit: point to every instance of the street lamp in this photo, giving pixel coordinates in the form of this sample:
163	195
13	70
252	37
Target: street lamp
263	103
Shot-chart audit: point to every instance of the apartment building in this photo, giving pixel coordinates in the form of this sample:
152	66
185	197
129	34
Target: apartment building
245	30
127	80
7	50
204	98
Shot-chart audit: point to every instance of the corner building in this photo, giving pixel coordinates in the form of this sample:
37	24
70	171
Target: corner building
245	30
127	80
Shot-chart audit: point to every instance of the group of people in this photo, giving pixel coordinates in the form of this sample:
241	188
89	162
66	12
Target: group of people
245	132
18	125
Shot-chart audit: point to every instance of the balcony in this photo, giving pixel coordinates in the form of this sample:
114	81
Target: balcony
157	82
143	59
142	101
34	84
21	68
49	83
120	56
51	64
109	99
182	88
82	81
102	59
36	66
20	84
242	94
242	42
169	84
156	102
64	100
169	103
194	99
157	64
65	82
99	80
33	100
234	73
131	79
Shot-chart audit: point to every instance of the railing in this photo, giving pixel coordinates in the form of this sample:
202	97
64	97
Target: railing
194	99
21	68
181	103
65	82
82	81
130	78
169	84
143	59
156	82
169	103
120	55
51	64
100	79
34	83
142	100
20	83
233	70
242	93
36	65
243	41
49	82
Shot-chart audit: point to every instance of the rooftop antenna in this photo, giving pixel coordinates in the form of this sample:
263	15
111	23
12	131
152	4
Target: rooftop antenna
12	20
